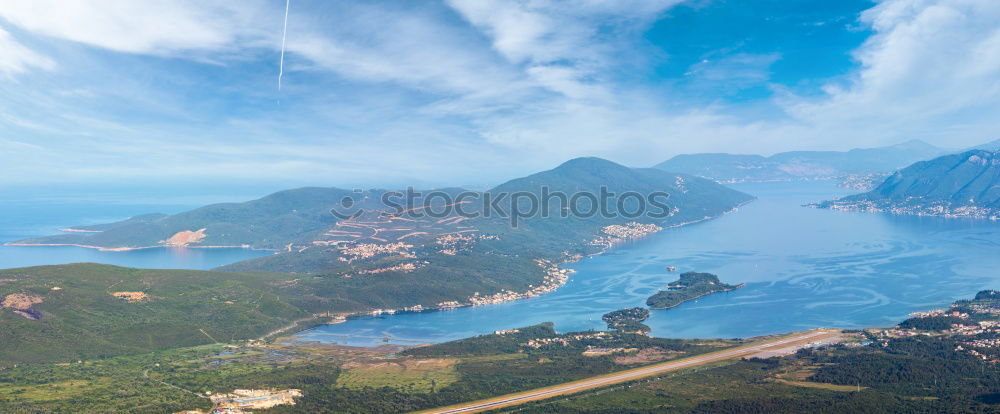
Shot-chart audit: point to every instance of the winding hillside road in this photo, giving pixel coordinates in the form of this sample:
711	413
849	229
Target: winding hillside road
793	340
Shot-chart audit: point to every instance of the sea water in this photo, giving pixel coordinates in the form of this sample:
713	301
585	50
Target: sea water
803	268
24	216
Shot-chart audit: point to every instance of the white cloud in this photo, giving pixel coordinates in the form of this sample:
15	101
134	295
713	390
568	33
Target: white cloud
564	45
421	90
929	65
542	32
930	70
732	72
359	40
17	58
147	27
561	47
409	46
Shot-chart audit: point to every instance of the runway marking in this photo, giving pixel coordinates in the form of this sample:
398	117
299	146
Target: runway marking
629	375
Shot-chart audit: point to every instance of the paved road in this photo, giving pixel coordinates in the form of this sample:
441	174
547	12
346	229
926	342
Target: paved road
633	374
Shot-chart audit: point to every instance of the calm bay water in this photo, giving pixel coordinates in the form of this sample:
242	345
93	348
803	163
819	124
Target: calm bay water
31	217
804	268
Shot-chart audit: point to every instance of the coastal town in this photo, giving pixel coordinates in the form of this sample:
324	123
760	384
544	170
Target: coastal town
451	244
913	208
360	251
975	326
555	277
616	233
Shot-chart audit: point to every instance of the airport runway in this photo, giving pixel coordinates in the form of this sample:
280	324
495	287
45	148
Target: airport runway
637	373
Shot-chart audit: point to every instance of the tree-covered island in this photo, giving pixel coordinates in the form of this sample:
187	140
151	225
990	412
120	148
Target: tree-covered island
690	286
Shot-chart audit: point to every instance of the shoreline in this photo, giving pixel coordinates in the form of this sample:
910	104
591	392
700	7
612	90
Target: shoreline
343	317
739	286
605	248
900	211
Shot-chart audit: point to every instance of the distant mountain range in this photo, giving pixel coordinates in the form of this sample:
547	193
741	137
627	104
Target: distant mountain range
966	184
801	165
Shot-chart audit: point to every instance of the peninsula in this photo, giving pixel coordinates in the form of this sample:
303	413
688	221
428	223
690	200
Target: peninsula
628	320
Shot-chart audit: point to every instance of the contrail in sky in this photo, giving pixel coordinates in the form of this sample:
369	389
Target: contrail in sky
284	31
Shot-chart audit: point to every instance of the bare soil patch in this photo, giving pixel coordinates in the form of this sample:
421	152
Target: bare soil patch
646	356
20	301
185	238
131	297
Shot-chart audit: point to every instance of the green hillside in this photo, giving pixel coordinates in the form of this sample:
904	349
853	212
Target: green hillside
78	318
693	197
548	237
965	185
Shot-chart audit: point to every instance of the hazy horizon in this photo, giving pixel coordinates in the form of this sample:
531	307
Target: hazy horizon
164	191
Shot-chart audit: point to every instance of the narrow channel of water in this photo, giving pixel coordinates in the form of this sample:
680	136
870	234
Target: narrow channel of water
804	268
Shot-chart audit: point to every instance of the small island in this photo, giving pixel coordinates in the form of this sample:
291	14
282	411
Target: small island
628	320
690	286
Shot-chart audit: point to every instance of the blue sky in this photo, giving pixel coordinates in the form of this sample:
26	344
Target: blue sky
473	92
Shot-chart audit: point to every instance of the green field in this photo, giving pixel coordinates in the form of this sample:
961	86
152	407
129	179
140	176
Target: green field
422	375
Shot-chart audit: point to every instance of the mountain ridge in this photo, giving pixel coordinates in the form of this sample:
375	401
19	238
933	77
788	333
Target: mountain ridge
801	165
965	184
